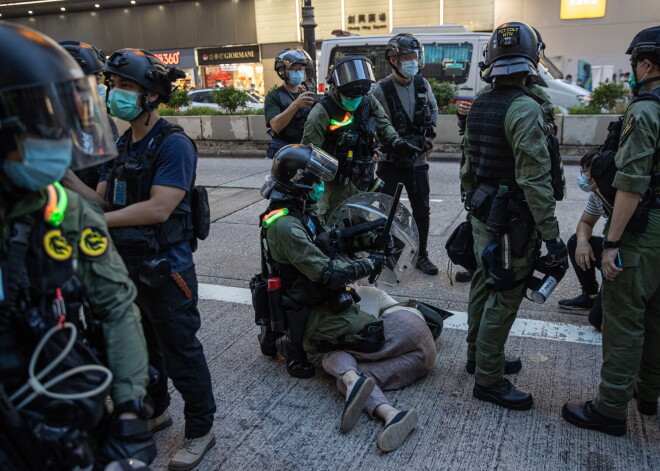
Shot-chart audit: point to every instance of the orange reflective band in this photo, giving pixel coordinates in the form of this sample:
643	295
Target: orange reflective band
348	119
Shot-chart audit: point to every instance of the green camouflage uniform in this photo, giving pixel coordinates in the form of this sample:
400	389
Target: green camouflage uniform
108	289
491	313
631	303
317	125
289	243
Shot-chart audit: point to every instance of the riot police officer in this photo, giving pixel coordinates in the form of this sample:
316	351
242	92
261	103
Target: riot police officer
506	162
552	142
91	61
631	254
55	257
299	251
349	125
409	103
148	190
286	108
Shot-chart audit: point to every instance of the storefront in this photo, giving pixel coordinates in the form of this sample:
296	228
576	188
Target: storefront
184	59
236	66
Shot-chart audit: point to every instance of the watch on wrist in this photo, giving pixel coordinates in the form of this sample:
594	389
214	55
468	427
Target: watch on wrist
611	244
143	407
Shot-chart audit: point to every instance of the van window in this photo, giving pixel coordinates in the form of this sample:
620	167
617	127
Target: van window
445	62
448	62
375	53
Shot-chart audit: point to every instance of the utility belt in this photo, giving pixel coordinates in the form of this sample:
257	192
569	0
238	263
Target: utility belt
504	211
139	248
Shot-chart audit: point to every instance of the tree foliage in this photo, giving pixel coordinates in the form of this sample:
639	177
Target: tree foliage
444	92
229	98
179	98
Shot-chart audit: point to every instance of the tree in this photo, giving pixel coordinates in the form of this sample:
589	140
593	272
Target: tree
607	95
179	98
444	92
229	98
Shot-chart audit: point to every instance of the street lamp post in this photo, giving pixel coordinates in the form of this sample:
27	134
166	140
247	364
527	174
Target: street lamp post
308	24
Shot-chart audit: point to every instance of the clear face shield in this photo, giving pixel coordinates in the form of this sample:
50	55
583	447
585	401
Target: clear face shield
352	71
62	111
322	164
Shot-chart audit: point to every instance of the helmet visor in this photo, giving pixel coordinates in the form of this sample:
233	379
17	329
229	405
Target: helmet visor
352	71
70	109
322	164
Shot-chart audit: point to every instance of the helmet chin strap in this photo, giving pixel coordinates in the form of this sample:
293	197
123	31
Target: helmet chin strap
147	106
396	69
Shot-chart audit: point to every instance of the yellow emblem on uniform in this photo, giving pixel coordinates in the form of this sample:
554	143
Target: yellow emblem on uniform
628	128
56	246
93	242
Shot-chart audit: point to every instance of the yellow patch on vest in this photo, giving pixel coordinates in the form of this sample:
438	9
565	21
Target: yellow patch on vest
93	242
56	246
628	127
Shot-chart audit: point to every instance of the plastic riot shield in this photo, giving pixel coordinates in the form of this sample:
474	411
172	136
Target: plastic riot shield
367	208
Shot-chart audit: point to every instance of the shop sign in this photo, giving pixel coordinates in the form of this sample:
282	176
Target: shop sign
182	58
367	21
228	55
577	9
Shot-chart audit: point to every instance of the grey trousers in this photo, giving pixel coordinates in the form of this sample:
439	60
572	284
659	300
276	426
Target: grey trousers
408	354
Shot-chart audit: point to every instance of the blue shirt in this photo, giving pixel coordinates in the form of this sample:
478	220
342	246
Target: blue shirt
176	166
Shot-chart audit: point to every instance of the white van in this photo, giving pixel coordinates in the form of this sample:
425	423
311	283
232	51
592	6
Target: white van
452	54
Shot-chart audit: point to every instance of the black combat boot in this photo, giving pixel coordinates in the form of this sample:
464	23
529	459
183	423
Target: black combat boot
426	265
464	276
584	415
511	366
504	394
645	407
295	358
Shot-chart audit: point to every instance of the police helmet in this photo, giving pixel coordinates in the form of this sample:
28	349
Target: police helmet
645	42
45	95
404	43
297	167
90	59
144	68
512	48
352	76
289	57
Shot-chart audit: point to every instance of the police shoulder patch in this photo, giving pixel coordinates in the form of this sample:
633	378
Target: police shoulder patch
56	245
628	127
93	242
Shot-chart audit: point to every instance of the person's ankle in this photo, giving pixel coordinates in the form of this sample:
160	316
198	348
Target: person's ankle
592	296
386	412
349	378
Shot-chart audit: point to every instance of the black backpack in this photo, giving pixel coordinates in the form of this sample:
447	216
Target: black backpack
603	169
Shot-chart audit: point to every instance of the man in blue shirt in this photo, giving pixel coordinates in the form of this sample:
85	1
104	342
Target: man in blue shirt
147	193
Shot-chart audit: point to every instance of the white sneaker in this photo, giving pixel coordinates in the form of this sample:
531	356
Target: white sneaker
192	452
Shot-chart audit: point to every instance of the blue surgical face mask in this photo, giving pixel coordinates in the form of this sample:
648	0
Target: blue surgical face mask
296	77
409	68
123	104
583	182
44	162
100	89
351	104
319	188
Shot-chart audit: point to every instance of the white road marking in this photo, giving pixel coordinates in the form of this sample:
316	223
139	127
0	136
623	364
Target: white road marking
432	201
530	328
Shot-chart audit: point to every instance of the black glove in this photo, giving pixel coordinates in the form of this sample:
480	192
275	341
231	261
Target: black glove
378	261
556	250
403	147
129	438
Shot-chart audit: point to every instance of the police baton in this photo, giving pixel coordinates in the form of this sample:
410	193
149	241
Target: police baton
383	238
